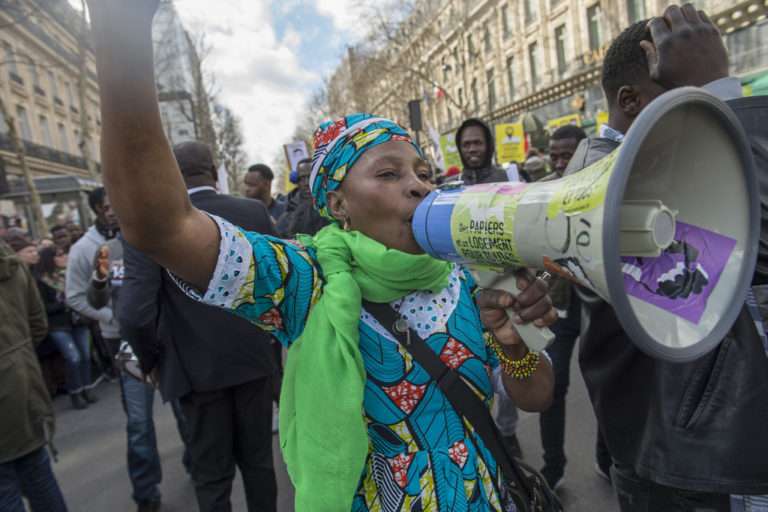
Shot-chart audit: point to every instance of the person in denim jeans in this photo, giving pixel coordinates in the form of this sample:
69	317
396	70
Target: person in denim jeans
25	405
71	339
32	477
137	394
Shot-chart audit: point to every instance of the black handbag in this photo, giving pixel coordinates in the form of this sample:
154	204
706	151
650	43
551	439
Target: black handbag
523	488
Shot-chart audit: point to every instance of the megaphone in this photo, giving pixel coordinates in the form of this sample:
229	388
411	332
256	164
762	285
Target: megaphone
665	228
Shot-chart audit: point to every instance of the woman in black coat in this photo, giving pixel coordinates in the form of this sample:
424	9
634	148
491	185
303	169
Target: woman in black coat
70	336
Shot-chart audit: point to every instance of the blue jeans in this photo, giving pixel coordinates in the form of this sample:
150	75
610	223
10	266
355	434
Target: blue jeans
75	347
31	476
144	467
143	459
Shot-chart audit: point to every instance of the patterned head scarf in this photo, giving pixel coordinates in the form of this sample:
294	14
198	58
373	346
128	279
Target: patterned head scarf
339	144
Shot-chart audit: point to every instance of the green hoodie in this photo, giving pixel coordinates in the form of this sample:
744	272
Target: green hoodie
25	405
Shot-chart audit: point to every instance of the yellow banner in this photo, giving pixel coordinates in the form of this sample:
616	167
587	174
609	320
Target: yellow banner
510	143
600	119
574	119
451	156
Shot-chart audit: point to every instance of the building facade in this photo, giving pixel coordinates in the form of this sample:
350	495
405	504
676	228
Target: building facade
500	59
41	43
39	77
174	74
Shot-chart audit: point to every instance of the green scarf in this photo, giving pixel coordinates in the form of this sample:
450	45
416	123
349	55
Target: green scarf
323	435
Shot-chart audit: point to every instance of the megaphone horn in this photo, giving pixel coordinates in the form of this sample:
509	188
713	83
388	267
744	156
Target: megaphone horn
665	228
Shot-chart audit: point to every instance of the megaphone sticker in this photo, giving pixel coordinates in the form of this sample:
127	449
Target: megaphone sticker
681	280
583	191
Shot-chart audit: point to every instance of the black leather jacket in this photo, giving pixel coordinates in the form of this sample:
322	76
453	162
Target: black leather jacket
701	426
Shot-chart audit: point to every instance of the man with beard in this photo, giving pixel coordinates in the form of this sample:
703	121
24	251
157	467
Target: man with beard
475	143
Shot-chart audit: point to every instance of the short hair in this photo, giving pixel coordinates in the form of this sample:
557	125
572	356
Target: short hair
625	62
59	227
96	198
569	131
194	159
264	170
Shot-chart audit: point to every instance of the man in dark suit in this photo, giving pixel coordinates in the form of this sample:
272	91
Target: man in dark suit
220	367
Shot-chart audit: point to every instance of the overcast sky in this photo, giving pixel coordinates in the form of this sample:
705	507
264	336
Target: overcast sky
268	57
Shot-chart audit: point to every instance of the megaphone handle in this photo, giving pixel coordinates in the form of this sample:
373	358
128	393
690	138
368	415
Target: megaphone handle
535	338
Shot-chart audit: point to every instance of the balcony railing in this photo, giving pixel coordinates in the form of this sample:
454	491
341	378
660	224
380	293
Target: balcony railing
44	153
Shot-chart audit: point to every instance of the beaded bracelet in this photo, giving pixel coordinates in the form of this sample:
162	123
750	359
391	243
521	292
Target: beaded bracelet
519	369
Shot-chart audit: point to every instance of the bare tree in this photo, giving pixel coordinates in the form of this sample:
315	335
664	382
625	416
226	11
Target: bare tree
20	13
38	219
183	78
82	89
229	140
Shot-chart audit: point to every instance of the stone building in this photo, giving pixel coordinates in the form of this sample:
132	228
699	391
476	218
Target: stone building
500	59
39	76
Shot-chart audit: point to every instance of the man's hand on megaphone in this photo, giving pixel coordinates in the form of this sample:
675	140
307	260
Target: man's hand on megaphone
532	304
687	48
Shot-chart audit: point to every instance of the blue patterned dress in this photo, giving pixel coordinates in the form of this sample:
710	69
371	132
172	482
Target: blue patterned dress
422	455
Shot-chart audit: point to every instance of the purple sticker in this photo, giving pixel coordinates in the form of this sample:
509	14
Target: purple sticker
681	280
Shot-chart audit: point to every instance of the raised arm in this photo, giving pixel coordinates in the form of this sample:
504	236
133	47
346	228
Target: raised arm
140	173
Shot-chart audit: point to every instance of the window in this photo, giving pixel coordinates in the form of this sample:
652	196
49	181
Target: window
54	85
533	60
594	15
487	43
506	21
531	10
33	72
3	124
475	97
635	10
45	131
460	95
63	139
70	95
511	76
21	117
10	59
76	133
560	42
490	80
456	61
470	47
445	68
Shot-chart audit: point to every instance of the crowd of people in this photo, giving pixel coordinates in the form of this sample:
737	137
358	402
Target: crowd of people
179	289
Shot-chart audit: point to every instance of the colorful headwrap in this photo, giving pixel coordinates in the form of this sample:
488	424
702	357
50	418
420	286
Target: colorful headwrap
339	144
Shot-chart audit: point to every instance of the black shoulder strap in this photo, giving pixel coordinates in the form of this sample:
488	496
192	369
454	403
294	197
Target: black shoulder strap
458	392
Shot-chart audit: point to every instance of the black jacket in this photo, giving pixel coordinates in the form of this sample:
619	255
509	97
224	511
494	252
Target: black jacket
59	314
699	426
487	172
300	216
196	347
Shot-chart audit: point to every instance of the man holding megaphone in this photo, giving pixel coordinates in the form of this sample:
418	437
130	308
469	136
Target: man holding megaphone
688	434
675	367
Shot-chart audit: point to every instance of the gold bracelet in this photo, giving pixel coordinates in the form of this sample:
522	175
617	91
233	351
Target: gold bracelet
520	369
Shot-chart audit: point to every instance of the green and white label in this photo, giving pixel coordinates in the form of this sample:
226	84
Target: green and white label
482	223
